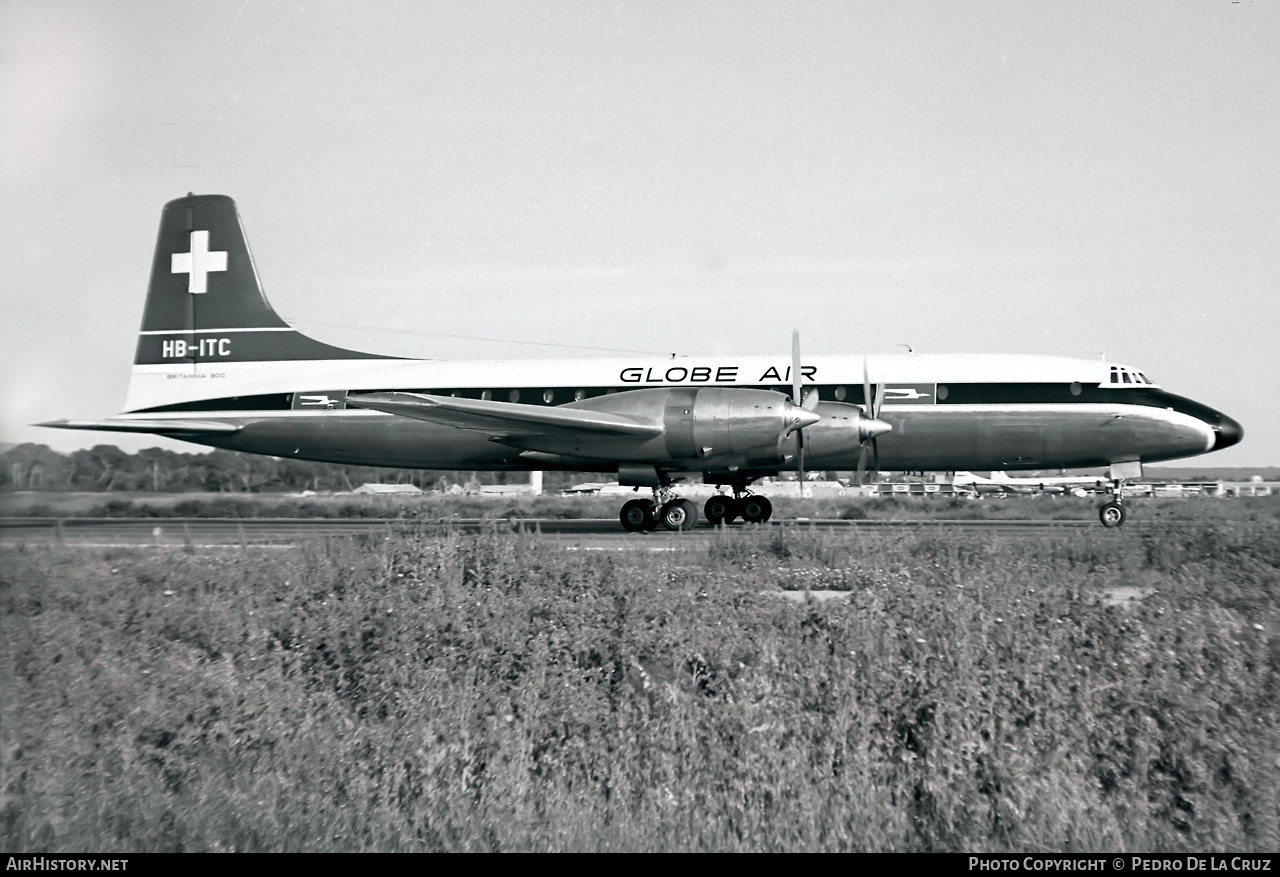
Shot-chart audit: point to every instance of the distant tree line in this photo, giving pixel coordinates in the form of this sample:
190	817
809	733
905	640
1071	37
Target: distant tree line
107	468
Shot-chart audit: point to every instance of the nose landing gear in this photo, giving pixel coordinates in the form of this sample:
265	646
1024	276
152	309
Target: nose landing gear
1112	513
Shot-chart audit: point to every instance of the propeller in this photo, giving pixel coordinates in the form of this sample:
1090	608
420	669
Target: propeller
876	426
808	404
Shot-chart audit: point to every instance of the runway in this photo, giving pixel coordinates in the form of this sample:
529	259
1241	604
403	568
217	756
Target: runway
579	534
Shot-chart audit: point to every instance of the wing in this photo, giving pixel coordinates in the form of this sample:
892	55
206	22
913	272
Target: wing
506	418
158	427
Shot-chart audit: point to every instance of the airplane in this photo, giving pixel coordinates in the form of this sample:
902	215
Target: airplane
1000	482
216	365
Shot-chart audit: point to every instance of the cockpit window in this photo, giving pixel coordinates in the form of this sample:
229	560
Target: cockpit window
1120	375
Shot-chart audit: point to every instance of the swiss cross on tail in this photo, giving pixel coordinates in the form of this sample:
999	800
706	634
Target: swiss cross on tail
198	263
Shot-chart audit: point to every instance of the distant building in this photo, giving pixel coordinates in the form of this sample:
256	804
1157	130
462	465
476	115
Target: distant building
387	489
598	488
508	490
1256	487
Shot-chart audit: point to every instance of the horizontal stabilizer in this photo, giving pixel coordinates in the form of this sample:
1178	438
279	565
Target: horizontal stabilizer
505	418
157	427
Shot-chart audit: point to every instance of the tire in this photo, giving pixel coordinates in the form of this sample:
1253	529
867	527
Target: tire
679	515
637	516
720	509
1112	514
756	509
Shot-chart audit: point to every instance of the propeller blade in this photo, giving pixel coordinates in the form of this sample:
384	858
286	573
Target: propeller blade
872	427
795	366
866	388
796	377
875	440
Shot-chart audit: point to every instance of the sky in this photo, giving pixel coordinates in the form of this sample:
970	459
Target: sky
456	180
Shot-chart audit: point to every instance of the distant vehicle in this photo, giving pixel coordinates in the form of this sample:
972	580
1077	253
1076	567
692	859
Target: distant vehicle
216	365
1000	482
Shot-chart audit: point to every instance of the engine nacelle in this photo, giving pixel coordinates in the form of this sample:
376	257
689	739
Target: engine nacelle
835	441
713	422
702	426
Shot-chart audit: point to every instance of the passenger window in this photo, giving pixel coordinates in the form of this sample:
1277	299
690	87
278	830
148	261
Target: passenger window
514	395
1076	389
841	392
943	392
487	395
579	395
1125	377
548	396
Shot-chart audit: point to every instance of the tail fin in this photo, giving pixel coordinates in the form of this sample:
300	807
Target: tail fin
205	304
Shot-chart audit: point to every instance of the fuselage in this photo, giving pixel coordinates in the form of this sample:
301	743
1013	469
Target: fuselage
948	411
216	365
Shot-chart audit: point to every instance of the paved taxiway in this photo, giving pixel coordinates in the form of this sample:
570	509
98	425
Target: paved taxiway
582	534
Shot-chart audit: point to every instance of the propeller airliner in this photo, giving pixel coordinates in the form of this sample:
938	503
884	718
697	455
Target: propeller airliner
215	365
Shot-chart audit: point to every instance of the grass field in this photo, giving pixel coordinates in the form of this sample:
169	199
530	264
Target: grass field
1095	691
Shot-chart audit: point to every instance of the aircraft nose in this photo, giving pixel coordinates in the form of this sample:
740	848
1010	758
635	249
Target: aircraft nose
1227	433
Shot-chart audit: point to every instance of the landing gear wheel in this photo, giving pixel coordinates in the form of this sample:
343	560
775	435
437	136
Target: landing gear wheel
679	514
756	509
637	516
1111	514
720	509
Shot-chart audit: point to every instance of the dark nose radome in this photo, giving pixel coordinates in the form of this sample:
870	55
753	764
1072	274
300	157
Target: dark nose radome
1227	433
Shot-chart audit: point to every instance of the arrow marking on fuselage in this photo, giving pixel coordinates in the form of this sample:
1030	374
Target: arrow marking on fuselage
198	263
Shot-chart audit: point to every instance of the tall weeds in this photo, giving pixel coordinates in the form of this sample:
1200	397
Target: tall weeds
495	692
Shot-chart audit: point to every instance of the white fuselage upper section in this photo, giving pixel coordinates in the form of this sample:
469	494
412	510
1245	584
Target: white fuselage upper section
167	384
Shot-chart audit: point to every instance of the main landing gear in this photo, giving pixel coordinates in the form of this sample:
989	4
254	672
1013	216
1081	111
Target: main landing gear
1112	514
665	509
673	513
721	509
